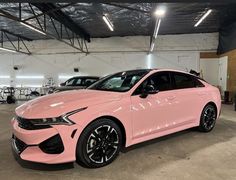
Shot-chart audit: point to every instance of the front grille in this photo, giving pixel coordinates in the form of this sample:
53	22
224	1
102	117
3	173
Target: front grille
19	145
26	124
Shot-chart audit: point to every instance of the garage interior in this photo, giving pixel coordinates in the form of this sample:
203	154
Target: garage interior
44	44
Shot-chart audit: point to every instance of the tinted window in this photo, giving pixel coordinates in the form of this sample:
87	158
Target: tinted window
70	82
198	83
160	81
183	81
89	81
78	82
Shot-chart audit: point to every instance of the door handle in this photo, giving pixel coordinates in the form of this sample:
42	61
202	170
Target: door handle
171	97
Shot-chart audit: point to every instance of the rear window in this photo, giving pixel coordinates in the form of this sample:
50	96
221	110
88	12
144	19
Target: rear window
198	83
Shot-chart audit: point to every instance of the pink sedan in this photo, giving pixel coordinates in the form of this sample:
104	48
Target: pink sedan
91	126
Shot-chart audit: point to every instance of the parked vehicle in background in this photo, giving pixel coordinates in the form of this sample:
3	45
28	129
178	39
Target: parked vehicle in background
78	82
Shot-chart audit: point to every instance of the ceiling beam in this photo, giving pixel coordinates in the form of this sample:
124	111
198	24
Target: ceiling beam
75	40
62	18
16	46
132	1
50	11
16	35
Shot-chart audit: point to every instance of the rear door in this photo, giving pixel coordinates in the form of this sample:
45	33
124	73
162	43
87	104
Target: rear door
188	98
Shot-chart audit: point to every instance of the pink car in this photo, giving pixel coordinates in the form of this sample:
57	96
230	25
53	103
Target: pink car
91	126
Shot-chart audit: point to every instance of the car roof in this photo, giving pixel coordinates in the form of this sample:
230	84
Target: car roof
163	69
156	70
84	77
174	70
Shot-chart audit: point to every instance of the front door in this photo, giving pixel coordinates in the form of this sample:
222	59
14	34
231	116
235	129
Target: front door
151	114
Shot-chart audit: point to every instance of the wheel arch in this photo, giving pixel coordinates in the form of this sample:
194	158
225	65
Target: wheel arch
115	120
213	104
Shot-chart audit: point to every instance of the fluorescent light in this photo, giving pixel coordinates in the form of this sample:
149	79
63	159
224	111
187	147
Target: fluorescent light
64	77
29	77
149	61
157	27
152	46
4	77
3	85
108	22
160	12
203	17
33	28
6	49
29	85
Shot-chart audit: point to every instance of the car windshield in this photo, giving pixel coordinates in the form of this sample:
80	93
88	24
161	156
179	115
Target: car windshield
119	82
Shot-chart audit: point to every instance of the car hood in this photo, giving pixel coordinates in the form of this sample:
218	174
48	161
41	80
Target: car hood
57	104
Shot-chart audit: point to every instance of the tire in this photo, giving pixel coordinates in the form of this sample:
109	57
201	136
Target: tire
99	144
208	118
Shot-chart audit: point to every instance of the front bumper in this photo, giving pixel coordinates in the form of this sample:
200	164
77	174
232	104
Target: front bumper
27	143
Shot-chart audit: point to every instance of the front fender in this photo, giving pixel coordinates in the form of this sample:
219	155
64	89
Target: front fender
117	109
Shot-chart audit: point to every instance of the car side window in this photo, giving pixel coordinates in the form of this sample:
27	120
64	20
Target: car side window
198	83
182	81
78	82
88	82
160	81
70	82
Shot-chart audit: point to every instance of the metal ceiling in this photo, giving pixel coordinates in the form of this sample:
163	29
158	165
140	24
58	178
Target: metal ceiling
128	19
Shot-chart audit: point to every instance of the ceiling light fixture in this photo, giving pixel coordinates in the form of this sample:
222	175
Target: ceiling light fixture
29	85
4	85
4	77
33	28
152	46
160	12
108	22
157	27
6	49
29	77
203	17
65	76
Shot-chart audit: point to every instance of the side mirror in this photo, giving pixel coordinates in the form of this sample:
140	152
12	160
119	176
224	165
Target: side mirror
62	84
149	89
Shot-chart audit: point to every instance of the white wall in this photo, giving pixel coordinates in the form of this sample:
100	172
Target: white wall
214	71
51	58
223	68
209	68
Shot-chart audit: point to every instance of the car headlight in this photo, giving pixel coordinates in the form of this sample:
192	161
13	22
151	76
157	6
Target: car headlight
61	120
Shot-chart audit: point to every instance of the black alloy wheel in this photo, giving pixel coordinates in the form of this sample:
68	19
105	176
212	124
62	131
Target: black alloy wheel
99	144
208	118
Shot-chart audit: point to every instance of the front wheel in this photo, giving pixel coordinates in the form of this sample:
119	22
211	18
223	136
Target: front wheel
99	144
208	118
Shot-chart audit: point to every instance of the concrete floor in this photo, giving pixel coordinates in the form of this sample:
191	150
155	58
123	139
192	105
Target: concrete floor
185	155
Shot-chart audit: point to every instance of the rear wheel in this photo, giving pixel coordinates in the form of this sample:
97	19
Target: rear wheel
208	118
99	144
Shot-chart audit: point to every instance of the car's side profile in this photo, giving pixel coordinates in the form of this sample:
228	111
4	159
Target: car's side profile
91	126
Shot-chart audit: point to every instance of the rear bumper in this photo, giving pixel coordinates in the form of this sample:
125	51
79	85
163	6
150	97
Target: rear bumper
27	143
